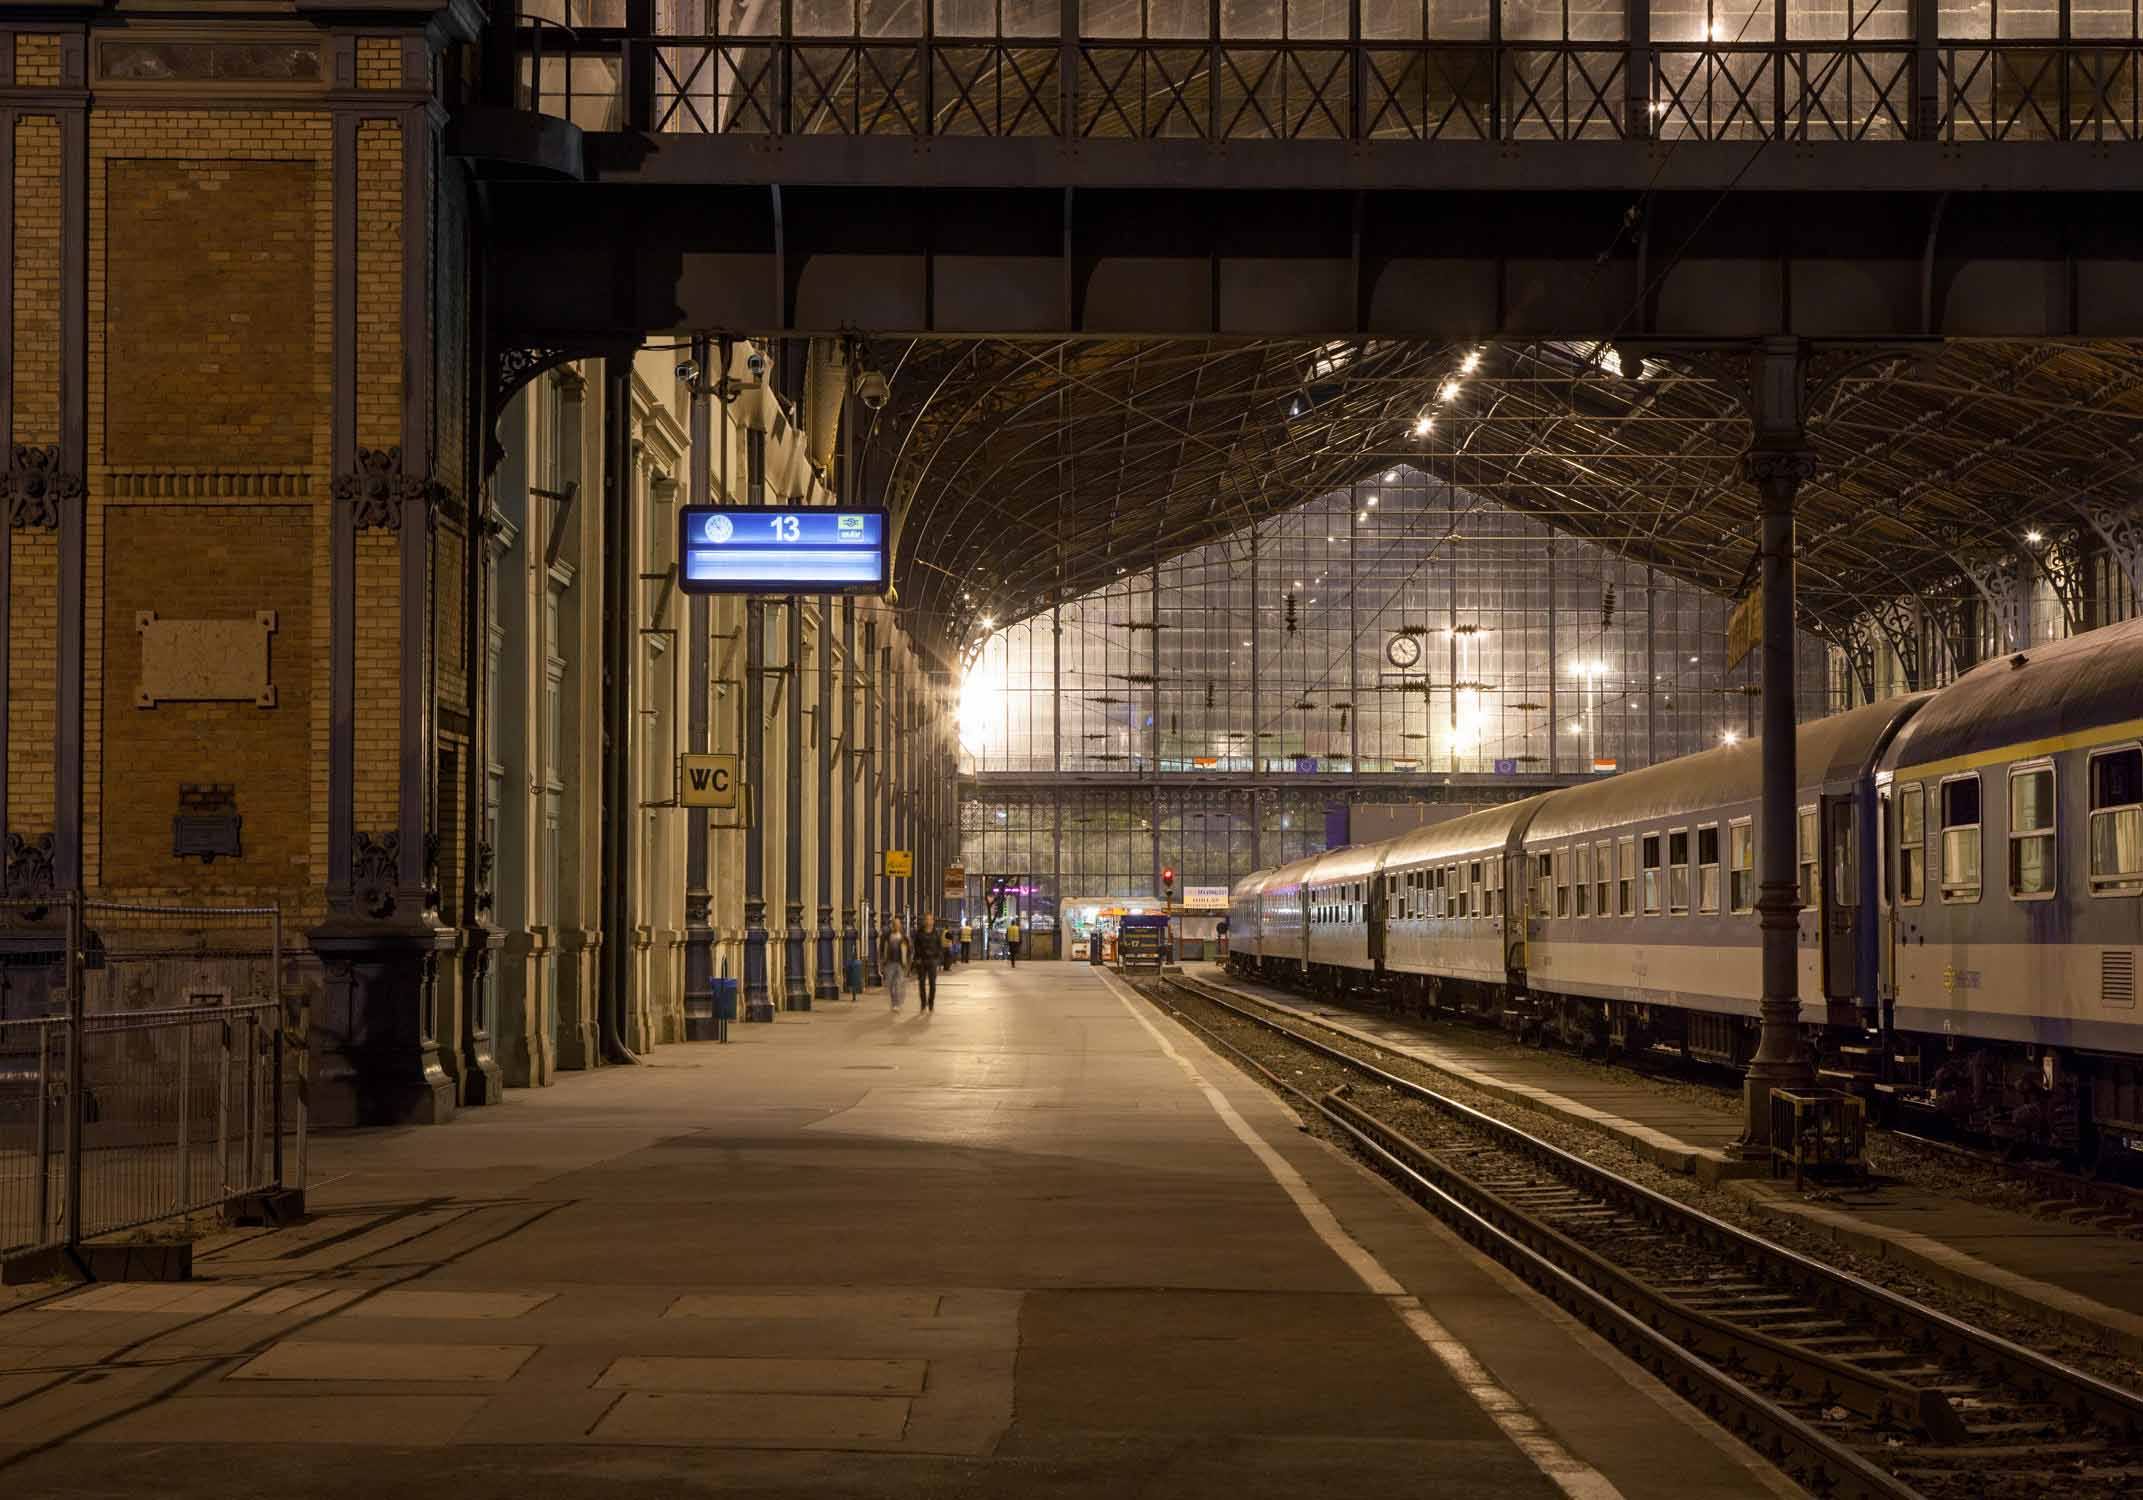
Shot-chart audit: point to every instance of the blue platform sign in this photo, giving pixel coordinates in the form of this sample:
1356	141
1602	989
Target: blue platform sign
1507	768
772	549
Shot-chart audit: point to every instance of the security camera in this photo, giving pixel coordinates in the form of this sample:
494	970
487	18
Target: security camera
872	389
756	363
688	371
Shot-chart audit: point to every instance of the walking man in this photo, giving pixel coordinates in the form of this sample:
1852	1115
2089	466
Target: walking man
1012	943
929	958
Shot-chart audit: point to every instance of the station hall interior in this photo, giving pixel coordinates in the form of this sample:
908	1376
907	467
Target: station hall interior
1071	747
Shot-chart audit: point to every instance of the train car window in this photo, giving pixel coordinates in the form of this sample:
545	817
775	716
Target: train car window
1678	872
1603	876
1911	843
1651	874
1805	825
1584	880
2117	822
1562	882
2031	833
1626	876
1495	887
1479	890
1708	868
1960	839
1844	856
1741	866
1547	885
1465	893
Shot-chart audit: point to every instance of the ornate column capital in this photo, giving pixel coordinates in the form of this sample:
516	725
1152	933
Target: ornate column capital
1778	472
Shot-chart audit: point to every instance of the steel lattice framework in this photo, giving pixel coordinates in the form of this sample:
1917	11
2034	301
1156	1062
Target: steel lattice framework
1029	470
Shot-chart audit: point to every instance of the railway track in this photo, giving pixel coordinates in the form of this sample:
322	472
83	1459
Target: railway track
1852	1390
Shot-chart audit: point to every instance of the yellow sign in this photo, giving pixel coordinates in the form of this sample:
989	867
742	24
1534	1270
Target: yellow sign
1745	627
707	780
900	863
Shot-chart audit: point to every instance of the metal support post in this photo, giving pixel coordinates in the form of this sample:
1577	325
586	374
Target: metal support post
851	743
795	948
758	1003
618	816
874	794
825	986
1777	464
699	897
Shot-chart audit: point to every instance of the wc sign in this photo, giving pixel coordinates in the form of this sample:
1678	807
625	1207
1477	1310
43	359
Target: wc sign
707	780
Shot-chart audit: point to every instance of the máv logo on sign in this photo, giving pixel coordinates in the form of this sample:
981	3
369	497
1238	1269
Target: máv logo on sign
851	525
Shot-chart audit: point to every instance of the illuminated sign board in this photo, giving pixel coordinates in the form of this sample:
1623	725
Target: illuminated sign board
771	549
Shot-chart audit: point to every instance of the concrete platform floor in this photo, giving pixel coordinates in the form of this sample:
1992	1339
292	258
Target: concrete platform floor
2075	1275
1041	1243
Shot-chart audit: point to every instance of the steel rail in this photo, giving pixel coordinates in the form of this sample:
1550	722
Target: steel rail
2082	1397
1694	1362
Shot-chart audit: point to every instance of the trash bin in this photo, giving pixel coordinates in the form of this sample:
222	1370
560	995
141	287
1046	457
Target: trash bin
725	999
852	977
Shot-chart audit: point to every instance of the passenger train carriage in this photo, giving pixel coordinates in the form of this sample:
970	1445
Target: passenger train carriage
1982	965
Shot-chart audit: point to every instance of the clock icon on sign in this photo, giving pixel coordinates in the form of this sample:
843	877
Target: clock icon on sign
719	529
1402	651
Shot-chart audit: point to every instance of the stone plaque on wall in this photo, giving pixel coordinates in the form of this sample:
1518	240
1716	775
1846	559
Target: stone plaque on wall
205	661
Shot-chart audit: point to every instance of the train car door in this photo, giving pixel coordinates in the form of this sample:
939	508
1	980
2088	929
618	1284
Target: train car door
1840	898
1380	893
1517	907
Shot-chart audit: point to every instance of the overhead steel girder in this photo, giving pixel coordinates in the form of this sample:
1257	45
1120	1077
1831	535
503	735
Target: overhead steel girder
1815	254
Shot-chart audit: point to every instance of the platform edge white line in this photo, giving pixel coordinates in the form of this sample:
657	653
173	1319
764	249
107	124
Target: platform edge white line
1569	1473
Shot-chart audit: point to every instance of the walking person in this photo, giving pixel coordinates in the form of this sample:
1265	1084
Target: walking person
897	958
967	941
929	958
1012	943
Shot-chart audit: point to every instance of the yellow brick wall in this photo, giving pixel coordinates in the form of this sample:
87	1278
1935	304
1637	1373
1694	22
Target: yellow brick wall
257	488
37	279
37	62
33	659
208	562
379	62
379	284
379	654
205	367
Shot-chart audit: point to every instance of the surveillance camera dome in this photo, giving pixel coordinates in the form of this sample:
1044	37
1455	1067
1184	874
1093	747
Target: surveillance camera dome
688	371
873	389
755	362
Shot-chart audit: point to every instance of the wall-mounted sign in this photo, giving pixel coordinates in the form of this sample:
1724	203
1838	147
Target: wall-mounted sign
955	882
1206	897
1745	627
900	863
770	549
707	780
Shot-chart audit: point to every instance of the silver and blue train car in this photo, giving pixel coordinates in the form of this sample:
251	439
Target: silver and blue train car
1452	904
1641	926
2014	872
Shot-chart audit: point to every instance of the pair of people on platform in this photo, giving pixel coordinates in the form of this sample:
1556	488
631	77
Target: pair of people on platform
923	955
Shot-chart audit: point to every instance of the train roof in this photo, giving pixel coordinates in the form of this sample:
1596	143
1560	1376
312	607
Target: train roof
1828	751
1478	832
1348	862
2001	710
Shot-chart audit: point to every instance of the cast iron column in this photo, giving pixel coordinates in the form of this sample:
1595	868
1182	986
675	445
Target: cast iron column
795	954
849	766
699	928
873	793
825	986
900	830
1777	464
618	815
758	1004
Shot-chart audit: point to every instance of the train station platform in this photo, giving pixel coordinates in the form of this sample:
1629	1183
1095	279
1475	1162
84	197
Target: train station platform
2075	1275
1040	1243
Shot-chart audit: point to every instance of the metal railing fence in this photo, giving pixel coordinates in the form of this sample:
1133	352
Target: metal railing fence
692	81
164	1078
